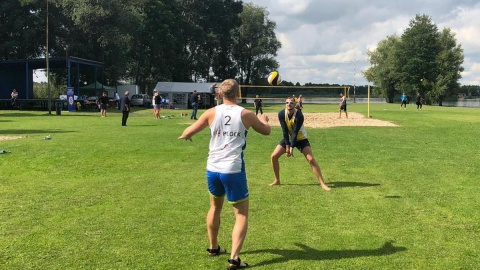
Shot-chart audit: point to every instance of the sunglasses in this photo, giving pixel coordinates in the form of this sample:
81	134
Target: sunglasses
290	103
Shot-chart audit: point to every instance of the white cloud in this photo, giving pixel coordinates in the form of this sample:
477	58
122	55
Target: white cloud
327	41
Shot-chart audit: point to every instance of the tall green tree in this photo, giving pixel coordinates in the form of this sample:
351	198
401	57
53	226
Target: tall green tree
22	29
423	61
256	46
383	72
156	54
144	41
417	55
207	36
103	31
449	62
221	39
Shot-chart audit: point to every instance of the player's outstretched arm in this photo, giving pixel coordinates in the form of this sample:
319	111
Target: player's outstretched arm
259	124
198	126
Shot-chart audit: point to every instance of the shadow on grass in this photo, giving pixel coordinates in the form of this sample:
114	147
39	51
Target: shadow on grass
393	197
309	254
64	114
31	131
350	184
17	114
312	184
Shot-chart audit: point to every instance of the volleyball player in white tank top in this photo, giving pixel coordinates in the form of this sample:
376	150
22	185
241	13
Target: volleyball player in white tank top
225	165
227	141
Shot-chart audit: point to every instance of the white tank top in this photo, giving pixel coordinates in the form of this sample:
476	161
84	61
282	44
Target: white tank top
227	140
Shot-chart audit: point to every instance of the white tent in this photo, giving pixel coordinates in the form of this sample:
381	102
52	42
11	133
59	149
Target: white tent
97	87
179	92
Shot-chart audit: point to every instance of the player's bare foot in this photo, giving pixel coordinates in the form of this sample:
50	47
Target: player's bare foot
275	183
325	187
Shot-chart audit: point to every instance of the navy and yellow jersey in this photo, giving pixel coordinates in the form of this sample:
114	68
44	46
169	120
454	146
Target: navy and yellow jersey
292	126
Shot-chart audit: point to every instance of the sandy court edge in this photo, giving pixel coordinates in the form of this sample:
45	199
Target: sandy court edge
327	120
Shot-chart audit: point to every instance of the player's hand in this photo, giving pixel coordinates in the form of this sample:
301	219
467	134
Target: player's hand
264	117
289	151
185	138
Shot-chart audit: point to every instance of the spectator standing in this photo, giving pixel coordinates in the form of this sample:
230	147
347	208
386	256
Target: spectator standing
258	105
103	104
117	100
125	107
156	105
419	102
403	99
194	102
343	106
164	101
214	92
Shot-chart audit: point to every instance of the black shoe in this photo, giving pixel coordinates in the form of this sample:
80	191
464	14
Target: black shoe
236	264
195	118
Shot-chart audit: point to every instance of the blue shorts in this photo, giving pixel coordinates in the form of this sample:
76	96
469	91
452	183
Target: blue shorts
234	185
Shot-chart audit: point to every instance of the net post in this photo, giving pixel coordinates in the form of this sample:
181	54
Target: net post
368	102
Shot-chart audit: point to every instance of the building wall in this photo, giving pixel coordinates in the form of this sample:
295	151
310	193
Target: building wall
14	78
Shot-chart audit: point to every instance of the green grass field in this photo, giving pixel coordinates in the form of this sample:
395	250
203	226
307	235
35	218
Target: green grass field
102	196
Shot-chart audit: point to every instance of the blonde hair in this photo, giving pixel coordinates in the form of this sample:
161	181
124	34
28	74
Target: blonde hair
291	97
229	89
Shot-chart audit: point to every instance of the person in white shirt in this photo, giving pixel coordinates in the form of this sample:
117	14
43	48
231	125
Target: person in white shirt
229	124
14	96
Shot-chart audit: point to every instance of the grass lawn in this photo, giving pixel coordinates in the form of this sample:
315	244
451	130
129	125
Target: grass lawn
102	196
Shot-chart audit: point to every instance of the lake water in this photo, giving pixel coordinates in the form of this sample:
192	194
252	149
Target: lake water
471	103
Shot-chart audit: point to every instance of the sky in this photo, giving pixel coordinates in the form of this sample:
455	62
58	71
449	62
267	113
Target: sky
326	41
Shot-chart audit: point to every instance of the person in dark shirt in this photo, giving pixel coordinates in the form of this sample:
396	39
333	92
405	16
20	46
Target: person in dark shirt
343	106
258	105
103	102
157	100
294	135
125	107
419	102
194	101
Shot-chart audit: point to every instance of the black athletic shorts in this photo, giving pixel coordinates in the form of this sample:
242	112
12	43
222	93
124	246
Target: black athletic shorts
299	144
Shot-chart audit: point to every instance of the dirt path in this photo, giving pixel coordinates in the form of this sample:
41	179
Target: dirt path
8	138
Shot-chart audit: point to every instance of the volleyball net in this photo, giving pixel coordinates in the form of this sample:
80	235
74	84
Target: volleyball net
278	94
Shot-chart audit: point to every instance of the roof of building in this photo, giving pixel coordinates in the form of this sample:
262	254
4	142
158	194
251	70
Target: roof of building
182	87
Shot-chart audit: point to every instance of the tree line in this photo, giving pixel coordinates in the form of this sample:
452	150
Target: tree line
145	41
422	61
